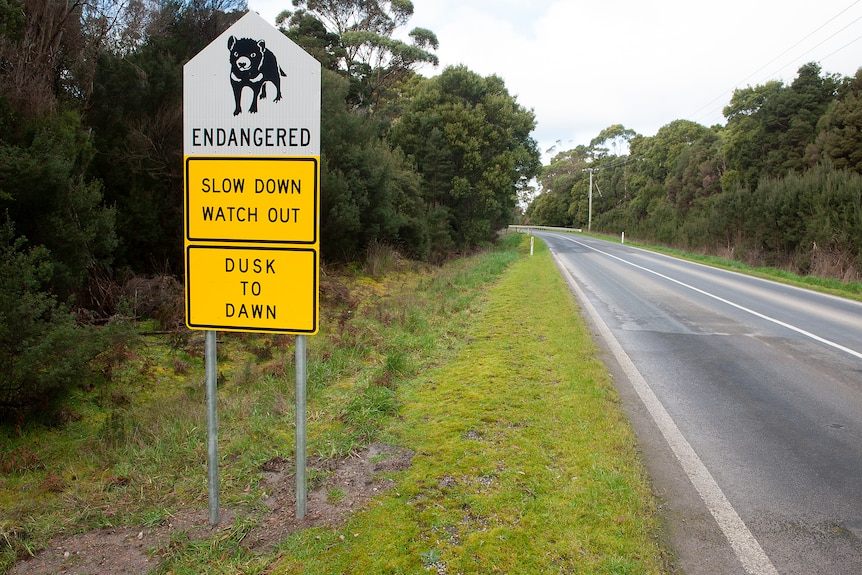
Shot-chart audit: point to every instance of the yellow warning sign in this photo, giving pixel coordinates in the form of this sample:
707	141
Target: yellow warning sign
252	289
252	199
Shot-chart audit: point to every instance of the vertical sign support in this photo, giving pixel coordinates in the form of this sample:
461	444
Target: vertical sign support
301	484
252	207
212	426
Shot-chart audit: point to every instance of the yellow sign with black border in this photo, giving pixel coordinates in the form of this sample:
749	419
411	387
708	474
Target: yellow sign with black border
260	289
251	199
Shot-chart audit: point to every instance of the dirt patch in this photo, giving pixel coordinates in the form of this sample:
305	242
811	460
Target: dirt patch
348	485
351	483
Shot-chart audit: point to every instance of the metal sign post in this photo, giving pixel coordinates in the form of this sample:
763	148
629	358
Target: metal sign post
301	484
212	426
251	145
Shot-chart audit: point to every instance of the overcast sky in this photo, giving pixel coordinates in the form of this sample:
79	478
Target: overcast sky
584	65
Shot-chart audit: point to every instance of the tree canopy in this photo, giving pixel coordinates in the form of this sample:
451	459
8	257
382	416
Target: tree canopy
356	37
472	146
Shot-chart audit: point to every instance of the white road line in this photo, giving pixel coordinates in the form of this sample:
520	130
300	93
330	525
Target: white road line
747	549
791	327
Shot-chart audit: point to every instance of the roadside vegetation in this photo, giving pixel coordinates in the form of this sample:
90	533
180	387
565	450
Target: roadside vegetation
481	369
91	161
779	185
846	289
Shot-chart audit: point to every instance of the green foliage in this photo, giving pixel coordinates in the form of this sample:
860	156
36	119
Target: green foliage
358	39
840	137
659	153
696	172
43	352
613	140
810	216
778	185
311	34
770	128
136	113
564	182
372	193
471	143
50	199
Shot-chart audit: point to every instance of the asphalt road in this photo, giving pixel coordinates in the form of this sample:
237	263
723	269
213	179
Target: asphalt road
747	399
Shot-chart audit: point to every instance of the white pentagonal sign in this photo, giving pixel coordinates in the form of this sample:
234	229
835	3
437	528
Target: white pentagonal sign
252	91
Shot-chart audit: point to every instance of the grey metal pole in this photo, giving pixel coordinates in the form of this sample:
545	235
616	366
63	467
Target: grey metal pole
212	426
590	214
301	488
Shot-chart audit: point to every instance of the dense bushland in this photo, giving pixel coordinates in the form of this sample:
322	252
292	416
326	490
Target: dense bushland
91	115
780	184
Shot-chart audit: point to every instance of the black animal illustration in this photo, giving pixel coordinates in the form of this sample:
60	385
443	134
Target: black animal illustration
252	65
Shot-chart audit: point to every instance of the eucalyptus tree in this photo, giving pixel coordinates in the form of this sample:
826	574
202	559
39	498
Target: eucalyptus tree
563	182
613	141
359	37
656	156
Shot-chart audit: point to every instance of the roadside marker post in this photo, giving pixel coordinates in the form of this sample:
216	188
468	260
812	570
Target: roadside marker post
251	146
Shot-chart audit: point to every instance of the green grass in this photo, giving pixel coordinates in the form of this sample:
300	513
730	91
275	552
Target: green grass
850	290
524	462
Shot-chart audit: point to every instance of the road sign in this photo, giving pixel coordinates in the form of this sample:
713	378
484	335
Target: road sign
246	199
252	289
251	140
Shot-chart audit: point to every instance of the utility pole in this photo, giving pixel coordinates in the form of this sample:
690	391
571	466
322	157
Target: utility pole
590	212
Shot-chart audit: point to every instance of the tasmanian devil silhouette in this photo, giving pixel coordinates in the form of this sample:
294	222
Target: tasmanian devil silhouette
252	65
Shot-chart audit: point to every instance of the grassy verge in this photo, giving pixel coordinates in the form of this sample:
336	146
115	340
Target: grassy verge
850	290
524	463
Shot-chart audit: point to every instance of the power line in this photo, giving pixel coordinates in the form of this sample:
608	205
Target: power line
724	94
820	44
841	48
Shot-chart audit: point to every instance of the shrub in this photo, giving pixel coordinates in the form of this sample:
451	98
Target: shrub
43	351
